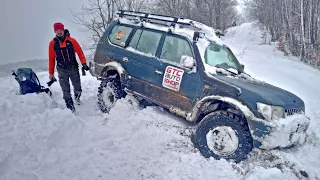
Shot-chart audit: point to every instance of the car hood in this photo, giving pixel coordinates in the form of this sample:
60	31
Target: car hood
271	94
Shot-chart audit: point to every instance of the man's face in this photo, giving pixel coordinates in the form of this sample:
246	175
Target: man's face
59	32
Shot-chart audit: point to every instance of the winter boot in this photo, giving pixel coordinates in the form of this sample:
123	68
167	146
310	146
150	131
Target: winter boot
70	105
77	97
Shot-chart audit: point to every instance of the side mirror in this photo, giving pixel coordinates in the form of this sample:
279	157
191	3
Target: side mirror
187	61
242	66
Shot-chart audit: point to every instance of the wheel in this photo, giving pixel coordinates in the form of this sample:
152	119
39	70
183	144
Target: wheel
224	135
108	93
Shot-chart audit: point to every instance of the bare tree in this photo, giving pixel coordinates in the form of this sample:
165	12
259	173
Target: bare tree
294	23
219	14
96	15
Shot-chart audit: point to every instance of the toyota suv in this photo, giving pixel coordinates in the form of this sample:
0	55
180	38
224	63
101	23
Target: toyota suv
182	66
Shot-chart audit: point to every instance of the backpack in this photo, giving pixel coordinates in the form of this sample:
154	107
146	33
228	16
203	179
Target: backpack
29	82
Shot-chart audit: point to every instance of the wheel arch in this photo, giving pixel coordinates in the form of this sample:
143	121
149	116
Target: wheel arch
112	68
115	68
211	101
214	105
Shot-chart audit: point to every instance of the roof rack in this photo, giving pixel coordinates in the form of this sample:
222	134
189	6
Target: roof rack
172	20
158	17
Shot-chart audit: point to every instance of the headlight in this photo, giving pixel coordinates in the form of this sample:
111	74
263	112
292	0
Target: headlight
277	112
270	112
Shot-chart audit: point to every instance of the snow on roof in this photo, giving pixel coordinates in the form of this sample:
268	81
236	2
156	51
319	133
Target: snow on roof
160	17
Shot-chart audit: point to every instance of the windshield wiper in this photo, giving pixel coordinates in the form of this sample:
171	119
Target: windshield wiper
228	70
235	73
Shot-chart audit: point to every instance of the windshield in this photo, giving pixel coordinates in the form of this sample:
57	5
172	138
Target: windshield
221	57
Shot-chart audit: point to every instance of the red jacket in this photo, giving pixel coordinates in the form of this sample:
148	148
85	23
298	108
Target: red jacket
64	53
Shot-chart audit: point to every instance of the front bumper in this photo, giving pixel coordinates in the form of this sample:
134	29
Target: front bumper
279	133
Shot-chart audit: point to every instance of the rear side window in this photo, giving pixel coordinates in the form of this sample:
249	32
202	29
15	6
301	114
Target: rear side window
174	48
135	39
146	41
119	35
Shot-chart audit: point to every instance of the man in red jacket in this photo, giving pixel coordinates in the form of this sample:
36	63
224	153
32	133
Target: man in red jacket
62	51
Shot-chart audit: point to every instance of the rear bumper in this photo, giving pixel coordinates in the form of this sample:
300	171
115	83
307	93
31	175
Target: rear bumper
281	133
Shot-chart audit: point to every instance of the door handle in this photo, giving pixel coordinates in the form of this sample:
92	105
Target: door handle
125	59
158	72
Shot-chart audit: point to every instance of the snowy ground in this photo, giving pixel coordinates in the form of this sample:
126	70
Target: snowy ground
40	139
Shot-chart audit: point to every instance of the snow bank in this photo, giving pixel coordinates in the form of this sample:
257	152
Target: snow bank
264	62
40	139
265	174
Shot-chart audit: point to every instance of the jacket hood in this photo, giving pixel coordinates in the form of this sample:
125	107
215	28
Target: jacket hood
64	37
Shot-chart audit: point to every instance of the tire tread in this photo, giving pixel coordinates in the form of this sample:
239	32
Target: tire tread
115	84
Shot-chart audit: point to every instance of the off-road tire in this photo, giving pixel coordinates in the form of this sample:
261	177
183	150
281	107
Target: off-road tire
225	119
115	85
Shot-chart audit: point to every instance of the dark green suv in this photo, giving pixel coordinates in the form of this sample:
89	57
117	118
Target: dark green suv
182	66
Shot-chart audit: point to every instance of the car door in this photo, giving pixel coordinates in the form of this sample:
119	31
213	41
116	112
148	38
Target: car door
134	48
177	84
141	58
119	37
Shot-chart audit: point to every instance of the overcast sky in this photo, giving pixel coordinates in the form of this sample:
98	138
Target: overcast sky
26	27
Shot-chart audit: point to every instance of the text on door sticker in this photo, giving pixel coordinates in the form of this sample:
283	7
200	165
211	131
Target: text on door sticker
172	78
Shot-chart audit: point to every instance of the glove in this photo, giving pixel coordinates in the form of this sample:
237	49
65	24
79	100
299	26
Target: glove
51	77
52	80
85	67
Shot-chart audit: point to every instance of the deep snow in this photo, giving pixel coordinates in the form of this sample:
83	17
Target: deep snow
41	139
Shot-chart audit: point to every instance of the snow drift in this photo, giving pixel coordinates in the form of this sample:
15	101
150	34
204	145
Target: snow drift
41	139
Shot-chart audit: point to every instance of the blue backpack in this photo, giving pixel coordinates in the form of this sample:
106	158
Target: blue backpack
29	82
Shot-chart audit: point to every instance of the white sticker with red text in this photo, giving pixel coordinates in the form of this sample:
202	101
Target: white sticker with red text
172	78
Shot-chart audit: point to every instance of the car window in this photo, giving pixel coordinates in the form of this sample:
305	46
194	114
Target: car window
146	41
119	35
174	48
135	39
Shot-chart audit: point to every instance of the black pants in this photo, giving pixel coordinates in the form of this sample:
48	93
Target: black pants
64	75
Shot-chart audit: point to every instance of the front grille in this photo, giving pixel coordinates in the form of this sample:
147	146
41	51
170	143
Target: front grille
290	112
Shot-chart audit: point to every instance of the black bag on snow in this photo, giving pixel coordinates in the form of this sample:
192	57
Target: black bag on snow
29	82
